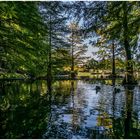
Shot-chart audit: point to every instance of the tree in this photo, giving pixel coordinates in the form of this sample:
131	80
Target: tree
91	64
78	48
55	20
30	43
120	21
22	39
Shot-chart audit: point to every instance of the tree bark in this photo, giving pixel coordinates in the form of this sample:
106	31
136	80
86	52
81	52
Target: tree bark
49	69
129	78
72	58
113	61
128	114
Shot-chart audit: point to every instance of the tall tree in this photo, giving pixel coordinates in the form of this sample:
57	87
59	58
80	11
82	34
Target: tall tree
120	20
55	20
78	47
22	38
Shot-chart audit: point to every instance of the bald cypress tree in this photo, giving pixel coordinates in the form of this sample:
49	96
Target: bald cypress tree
78	47
22	38
55	20
120	20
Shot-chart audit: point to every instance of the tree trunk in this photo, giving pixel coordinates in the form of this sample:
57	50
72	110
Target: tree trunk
129	108
72	59
49	69
129	79
113	61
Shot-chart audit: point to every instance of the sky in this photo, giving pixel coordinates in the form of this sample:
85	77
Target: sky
90	50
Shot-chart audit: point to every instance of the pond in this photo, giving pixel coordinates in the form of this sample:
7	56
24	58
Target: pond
71	110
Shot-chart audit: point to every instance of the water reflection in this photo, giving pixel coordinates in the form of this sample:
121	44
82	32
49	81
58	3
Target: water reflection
128	114
123	125
69	109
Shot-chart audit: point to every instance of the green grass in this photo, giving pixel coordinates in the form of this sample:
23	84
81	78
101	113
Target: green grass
85	74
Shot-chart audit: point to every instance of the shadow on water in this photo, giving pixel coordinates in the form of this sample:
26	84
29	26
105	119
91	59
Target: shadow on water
69	109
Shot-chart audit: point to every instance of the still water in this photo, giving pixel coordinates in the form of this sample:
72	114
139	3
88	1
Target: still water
72	109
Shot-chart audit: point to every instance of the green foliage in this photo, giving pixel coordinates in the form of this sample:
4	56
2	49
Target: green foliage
54	17
78	47
23	46
116	22
25	41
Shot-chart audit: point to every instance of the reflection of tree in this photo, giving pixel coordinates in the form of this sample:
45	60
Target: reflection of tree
56	126
74	110
123	127
118	129
104	122
27	112
116	123
128	116
128	130
113	104
50	122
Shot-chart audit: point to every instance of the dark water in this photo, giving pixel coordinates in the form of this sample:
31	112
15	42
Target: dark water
73	109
